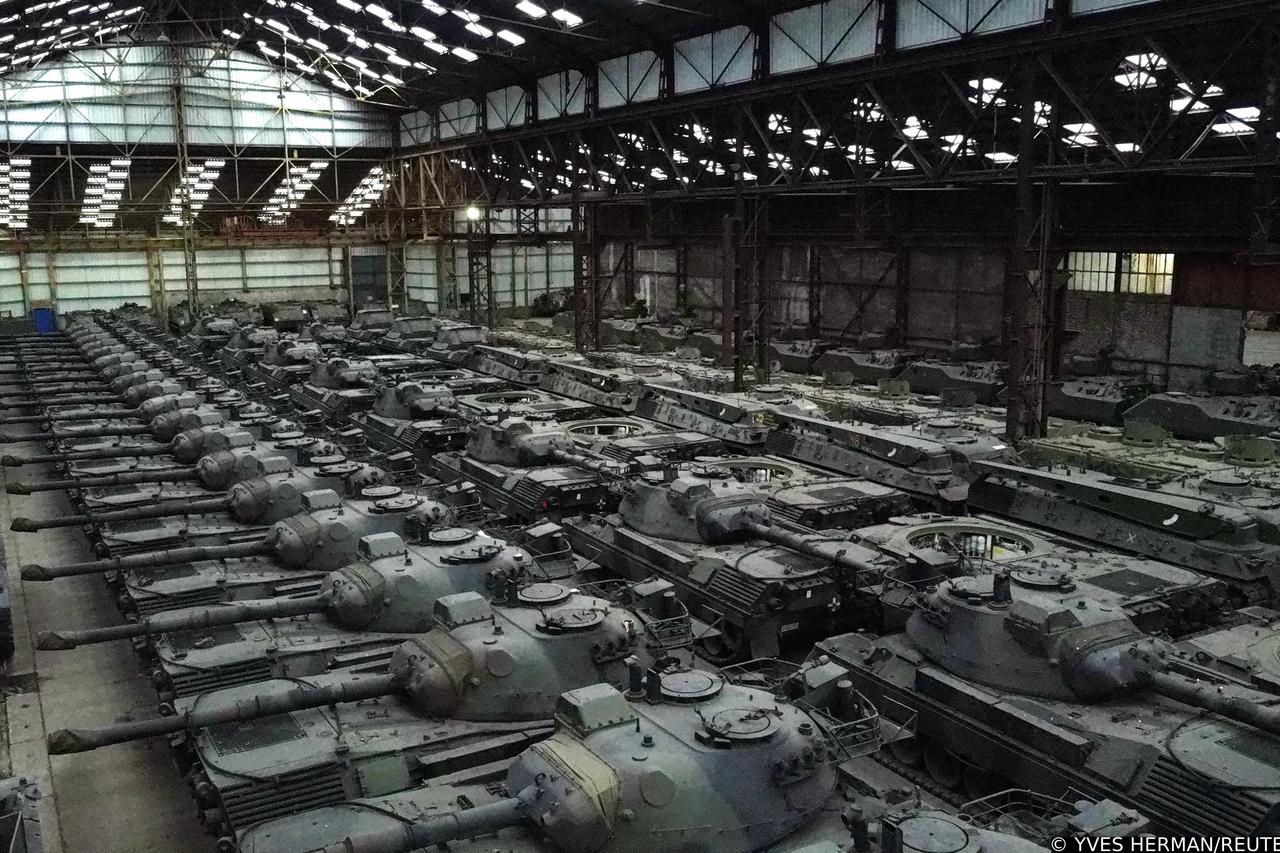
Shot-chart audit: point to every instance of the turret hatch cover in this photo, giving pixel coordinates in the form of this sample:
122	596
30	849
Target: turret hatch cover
378	493
572	619
742	724
294	441
337	469
1034	578
396	504
331	459
543	594
451	536
933	834
476	553
691	685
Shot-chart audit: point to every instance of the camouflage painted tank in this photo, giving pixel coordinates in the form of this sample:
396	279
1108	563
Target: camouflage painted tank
738	421
984	379
613	391
1204	418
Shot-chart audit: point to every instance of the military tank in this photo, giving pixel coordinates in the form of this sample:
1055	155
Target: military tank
529	468
524	402
367	326
933	460
627	772
997	681
451	698
985	379
246	346
414	416
737	421
357	616
753	579
1101	399
607	390
285	363
1223	524
520	368
1205	417
409	334
861	365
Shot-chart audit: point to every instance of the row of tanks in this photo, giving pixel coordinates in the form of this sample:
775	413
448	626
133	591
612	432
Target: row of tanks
565	629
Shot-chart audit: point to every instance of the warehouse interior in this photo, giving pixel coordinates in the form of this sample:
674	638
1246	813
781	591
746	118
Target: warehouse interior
909	316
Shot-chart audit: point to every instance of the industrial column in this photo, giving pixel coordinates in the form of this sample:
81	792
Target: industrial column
186	227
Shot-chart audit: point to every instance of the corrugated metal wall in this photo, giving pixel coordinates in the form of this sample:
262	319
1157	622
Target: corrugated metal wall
628	79
10	287
421	274
715	59
122	95
836	31
925	22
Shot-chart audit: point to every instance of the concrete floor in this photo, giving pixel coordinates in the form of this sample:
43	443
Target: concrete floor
122	799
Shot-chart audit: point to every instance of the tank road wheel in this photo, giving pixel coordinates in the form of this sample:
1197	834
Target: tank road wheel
979	783
908	752
943	766
731	646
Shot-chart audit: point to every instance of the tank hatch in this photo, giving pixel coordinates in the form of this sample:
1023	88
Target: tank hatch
566	620
475	553
377	545
380	493
689	686
744	725
543	594
590	709
450	536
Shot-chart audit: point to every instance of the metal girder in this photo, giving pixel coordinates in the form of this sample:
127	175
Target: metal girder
480	270
586	258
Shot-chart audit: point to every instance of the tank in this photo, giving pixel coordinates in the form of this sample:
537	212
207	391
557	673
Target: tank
323	537
933	460
515	366
529	468
626	772
1224	524
860	365
608	390
524	402
414	416
754	580
359	613
737	421
481	686
997	681
985	379
409	334
1096	399
1204	418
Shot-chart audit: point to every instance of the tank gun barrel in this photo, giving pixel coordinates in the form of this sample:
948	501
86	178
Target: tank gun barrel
160	510
38	401
11	461
129	478
358	688
184	620
798	543
93	432
428	832
609	469
1207	696
70	417
150	560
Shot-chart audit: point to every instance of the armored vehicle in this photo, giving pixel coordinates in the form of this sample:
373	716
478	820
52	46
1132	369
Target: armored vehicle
357	617
337	387
1225	525
646	754
530	468
868	366
367	326
525	402
515	366
737	421
481	686
1204	418
1097	399
933	460
608	390
997	680
414	416
984	379
754	580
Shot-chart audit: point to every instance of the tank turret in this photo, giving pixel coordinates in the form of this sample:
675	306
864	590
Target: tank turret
528	442
1068	648
319	540
370	596
482	662
626	773
339	373
414	401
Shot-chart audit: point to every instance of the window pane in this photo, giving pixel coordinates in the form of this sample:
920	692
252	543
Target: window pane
1094	272
1146	273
